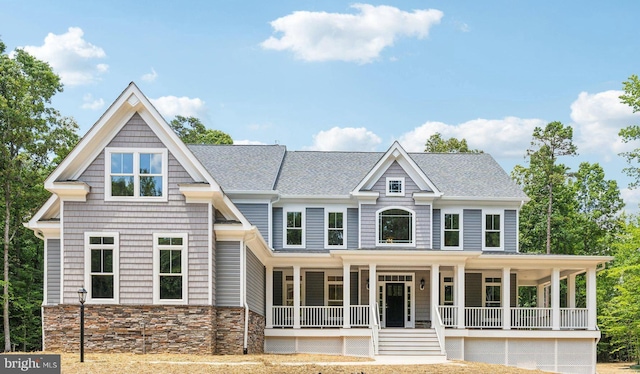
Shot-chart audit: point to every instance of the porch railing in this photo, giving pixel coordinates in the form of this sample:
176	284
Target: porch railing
531	318
359	315
574	318
439	327
449	315
321	316
282	316
479	317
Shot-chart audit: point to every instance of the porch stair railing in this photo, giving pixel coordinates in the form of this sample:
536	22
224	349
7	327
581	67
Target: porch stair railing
438	326
375	317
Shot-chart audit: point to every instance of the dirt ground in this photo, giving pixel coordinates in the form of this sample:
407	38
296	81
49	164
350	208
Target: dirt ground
96	363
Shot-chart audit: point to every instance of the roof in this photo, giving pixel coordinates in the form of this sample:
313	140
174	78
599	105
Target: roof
271	168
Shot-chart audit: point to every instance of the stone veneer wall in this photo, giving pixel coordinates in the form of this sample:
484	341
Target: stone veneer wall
167	329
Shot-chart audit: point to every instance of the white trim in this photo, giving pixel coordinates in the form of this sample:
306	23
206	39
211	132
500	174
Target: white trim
443	284
409	319
303	234
46	268
184	266
388	187
493	284
499	212
115	247
343	211
136	174
61	214
460	213
413	227
210	253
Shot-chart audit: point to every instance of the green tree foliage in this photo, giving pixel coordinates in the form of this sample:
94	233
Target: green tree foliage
436	144
31	131
630	133
192	131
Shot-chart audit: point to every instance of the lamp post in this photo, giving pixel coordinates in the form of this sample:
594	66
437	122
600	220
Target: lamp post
82	297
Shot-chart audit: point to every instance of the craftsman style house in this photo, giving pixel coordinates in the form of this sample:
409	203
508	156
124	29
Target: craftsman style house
231	249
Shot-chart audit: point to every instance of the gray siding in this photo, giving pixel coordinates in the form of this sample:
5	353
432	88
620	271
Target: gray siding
53	271
228	274
352	228
422	219
423	297
136	222
258	215
277	288
473	289
437	229
510	230
314	288
472	229
255	283
314	229
277	228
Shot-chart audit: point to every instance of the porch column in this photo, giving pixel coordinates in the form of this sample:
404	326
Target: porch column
459	295
506	298
571	291
591	299
435	291
269	297
296	297
373	285
346	296
555	299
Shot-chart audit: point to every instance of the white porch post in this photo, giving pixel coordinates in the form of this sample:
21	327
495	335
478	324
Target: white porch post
591	299
346	296
296	297
373	285
459	296
506	298
571	291
435	290
269	296
555	298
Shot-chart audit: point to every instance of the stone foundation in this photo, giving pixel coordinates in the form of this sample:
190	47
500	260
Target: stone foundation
152	329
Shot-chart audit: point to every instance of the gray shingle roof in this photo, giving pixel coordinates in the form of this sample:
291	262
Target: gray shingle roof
309	173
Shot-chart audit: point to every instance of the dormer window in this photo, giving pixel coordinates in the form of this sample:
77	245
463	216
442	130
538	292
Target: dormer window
135	174
395	186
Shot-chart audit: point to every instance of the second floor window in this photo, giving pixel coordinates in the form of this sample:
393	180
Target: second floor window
492	231
395	186
335	229
294	228
451	230
133	174
395	226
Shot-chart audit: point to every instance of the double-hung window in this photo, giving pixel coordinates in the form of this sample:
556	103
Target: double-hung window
334	290
170	268
294	229
139	174
452	230
492	292
492	238
335	234
101	267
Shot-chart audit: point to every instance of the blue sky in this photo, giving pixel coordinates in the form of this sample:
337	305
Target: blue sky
336	75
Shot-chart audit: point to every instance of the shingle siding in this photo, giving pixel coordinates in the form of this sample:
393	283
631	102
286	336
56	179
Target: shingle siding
437	229
228	273
136	222
352	228
510	230
277	228
472	229
255	283
314	228
258	215
53	271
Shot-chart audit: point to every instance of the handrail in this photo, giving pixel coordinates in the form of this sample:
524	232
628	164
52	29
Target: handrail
375	318
439	327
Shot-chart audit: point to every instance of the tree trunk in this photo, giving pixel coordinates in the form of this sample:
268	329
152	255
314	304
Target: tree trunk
549	219
5	291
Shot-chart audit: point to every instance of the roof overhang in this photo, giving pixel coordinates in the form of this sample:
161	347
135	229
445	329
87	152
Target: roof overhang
70	190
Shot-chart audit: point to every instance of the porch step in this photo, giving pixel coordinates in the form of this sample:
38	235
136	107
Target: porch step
408	342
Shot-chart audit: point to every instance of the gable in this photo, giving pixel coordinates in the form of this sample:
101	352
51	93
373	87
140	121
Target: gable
396	171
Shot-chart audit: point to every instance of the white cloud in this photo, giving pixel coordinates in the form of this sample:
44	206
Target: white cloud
90	103
71	57
597	120
345	139
150	77
631	199
502	138
171	106
248	142
360	37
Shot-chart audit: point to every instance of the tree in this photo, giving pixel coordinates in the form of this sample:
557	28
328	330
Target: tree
192	131
630	133
547	145
436	144
30	130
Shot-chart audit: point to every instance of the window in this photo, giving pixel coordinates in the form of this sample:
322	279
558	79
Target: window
447	291
395	226
288	293
294	231
395	186
101	264
492	292
451	225
334	290
170	268
135	175
492	232
335	229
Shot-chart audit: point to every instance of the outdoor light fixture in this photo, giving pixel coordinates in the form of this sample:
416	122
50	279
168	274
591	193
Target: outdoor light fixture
82	297
422	284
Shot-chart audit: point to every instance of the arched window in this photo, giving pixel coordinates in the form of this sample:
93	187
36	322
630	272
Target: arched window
395	226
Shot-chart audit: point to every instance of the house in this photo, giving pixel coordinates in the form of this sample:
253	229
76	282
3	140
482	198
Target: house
242	249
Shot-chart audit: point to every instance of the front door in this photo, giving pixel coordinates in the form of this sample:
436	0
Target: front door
395	304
